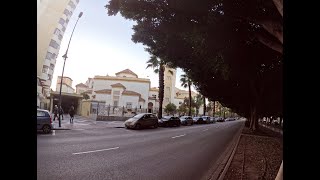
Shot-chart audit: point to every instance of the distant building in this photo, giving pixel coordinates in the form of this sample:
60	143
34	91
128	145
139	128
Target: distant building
126	89
66	85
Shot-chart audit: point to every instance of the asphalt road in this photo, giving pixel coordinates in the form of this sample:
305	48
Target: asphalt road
186	152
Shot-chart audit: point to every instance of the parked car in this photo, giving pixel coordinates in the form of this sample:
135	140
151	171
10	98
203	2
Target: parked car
166	121
44	121
186	120
206	119
230	119
142	120
198	120
212	120
219	119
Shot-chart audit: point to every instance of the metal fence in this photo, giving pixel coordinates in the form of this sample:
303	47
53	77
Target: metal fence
107	110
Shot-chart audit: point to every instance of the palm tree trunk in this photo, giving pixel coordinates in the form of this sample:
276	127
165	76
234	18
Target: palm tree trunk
214	108
189	100
161	89
204	106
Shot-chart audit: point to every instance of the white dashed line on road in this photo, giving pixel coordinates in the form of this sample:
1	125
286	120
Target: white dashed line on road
205	129
95	151
178	136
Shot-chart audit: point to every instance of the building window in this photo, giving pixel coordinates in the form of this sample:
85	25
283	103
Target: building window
61	21
54	56
57	31
63	28
51	66
154	96
49	77
67	20
66	12
71	4
49	56
54	44
180	102
116	93
129	105
115	103
168	89
45	69
60	37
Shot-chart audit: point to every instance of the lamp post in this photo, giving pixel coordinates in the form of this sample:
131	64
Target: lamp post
65	56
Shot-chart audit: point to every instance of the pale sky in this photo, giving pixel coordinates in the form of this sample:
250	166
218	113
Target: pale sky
102	45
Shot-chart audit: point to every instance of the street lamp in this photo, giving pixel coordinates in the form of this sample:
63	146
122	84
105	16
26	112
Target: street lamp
65	56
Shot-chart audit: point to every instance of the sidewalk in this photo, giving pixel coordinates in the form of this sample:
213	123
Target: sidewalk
80	122
257	156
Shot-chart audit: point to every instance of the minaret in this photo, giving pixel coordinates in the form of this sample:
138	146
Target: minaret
169	85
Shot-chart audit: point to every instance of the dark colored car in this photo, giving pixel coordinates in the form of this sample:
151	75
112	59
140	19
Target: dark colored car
44	121
206	119
186	120
142	120
166	121
198	120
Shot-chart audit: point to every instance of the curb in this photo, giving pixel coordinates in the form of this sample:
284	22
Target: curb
61	129
223	162
230	158
221	177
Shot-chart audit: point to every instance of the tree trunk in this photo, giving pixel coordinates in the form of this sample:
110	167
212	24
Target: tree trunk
253	119
214	108
189	99
161	90
204	106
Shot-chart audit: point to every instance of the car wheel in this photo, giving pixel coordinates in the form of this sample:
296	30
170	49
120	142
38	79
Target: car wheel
155	125
46	129
138	126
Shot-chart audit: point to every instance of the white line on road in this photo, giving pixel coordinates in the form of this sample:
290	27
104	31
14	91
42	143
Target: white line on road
178	136
95	151
205	129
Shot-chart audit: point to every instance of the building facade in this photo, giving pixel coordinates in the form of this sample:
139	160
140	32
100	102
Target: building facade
52	20
127	90
66	85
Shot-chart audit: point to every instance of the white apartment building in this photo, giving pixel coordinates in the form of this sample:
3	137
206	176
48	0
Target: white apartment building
52	19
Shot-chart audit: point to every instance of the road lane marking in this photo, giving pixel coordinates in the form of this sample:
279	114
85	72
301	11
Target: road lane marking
205	129
178	136
95	151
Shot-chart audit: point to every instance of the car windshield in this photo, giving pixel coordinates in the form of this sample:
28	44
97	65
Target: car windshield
166	117
138	116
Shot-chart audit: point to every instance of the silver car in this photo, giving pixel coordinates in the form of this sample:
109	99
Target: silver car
44	120
186	120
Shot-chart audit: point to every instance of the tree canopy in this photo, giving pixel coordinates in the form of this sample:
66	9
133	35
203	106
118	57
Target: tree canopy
232	49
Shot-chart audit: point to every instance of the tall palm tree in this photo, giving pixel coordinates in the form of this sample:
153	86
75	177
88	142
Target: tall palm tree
204	105
187	82
198	103
159	67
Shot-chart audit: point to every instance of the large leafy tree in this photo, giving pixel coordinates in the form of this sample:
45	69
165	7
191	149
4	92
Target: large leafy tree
159	66
232	49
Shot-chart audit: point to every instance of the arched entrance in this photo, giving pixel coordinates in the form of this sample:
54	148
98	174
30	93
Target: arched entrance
150	107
